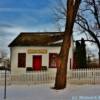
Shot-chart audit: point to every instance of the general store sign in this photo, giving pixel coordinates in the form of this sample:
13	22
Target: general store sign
37	51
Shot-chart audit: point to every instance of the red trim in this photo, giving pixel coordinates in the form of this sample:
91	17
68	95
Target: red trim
52	60
21	60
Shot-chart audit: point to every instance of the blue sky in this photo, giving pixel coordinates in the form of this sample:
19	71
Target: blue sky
25	13
24	16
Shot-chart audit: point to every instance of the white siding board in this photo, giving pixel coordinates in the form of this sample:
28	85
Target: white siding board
29	57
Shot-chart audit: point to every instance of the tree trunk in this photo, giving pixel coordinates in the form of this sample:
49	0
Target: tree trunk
61	75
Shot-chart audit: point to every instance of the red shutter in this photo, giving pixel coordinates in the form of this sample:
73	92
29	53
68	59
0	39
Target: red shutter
22	60
52	60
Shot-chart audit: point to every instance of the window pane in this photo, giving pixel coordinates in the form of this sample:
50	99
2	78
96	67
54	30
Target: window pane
52	60
21	59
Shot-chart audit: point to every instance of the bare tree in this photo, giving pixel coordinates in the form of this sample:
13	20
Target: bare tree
72	9
91	24
88	19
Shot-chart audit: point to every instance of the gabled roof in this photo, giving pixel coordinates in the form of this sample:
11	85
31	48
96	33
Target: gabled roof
37	39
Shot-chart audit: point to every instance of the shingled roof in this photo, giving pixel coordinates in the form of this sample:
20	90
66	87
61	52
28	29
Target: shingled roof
37	39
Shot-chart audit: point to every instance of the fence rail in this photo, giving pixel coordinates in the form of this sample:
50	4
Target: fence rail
79	76
84	76
29	78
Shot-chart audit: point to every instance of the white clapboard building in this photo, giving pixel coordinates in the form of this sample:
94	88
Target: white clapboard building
36	51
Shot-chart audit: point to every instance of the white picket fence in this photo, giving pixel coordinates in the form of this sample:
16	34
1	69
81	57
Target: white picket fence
84	76
41	77
78	76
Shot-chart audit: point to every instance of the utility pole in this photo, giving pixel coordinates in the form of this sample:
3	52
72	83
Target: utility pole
5	84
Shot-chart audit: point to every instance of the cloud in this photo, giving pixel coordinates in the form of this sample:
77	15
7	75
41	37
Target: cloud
92	49
17	10
23	16
7	34
5	25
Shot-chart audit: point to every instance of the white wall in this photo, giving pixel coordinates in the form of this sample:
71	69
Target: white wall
45	57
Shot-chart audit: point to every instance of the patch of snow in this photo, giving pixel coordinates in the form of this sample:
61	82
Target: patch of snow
44	92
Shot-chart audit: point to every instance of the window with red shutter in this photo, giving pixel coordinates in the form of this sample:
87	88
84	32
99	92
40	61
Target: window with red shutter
21	60
52	60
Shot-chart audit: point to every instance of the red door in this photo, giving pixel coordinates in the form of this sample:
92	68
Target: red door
37	62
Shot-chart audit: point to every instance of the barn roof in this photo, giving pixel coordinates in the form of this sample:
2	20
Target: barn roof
37	39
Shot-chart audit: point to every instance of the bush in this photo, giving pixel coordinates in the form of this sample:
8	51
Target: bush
29	69
44	68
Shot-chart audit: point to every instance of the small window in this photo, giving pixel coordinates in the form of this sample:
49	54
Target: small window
21	60
52	60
